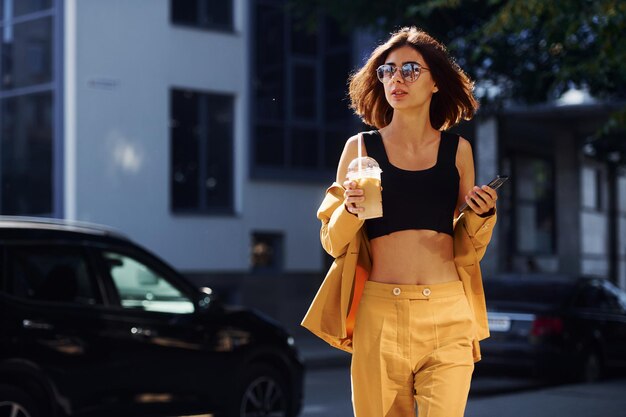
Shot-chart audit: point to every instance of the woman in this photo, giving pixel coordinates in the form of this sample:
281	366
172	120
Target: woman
417	312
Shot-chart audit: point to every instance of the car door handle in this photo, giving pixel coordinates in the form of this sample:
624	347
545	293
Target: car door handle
140	331
38	325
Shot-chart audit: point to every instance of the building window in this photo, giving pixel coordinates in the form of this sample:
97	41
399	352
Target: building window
29	107
301	118
205	14
534	206
267	252
201	133
27	154
591	192
24	7
621	192
27	53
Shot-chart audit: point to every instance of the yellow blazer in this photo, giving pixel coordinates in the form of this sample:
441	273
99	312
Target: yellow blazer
332	312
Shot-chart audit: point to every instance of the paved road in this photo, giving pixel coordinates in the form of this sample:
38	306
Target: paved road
605	399
328	394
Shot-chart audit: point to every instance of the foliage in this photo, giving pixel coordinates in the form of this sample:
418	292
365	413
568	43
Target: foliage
526	51
533	49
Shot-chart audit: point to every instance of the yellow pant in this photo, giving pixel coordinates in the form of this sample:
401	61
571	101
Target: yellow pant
412	344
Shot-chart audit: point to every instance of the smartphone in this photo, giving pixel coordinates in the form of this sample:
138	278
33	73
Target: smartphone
494	183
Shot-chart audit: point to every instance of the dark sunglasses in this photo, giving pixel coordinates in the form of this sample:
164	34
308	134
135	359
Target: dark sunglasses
409	71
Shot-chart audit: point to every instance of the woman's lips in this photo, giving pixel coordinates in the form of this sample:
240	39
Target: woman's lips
398	93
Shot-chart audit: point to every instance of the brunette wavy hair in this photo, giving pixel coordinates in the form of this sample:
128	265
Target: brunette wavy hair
454	100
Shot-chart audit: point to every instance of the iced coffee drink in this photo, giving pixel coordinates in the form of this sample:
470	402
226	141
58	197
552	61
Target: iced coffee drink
365	171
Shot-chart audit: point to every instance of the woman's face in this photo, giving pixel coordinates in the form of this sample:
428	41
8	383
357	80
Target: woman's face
402	93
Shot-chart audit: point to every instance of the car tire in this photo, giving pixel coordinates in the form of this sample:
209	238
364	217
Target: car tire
591	367
16	402
262	391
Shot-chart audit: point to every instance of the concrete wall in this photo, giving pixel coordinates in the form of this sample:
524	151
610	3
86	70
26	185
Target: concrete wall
126	56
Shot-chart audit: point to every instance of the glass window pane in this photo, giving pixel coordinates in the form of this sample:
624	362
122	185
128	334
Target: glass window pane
21	7
51	273
336	73
202	154
588	184
334	142
337	109
203	13
525	181
591	184
217	13
267	252
304	148
335	36
185	11
337	70
303	38
300	87
304	89
526	220
140	287
270	39
269	74
27	54
270	94
535	205
621	187
27	154
219	158
598	298
185	136
529	290
270	146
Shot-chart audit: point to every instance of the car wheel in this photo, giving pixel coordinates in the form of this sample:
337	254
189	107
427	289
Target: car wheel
262	392
16	403
591	367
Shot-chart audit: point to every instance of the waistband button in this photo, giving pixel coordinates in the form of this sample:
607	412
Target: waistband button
397	291
426	292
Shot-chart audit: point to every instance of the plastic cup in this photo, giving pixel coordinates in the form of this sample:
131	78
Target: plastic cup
365	171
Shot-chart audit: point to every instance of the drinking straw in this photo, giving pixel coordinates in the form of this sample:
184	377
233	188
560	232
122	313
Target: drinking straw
359	147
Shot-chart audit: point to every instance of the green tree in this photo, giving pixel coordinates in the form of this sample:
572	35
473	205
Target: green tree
528	51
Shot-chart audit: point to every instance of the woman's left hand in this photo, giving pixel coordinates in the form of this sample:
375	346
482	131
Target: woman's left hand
481	200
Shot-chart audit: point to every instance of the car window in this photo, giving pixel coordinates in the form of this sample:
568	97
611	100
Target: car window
2	270
622	300
52	273
528	291
596	297
618	296
140	287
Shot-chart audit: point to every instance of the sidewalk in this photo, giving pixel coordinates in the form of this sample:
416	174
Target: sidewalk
603	399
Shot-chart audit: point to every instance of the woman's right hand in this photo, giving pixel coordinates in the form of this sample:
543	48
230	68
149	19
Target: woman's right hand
351	196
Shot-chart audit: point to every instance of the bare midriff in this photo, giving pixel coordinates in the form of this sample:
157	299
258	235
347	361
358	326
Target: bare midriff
413	257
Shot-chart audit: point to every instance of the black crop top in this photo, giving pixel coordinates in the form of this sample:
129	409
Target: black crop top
423	199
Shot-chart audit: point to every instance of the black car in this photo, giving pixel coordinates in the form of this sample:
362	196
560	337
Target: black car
93	323
556	326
